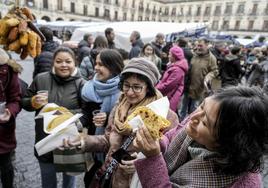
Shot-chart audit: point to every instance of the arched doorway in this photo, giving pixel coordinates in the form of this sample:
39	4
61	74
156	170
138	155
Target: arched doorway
46	18
59	19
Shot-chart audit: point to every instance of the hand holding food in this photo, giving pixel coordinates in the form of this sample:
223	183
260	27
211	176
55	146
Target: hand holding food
155	124
145	143
39	100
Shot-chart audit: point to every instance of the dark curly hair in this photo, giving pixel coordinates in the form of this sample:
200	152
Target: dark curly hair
150	89
242	129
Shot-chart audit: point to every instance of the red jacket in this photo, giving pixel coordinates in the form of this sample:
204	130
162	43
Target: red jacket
9	92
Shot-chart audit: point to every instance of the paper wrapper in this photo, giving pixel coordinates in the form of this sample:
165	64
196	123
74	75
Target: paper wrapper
53	141
160	107
66	129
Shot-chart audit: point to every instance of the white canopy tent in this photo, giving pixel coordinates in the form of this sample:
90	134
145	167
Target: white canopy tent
123	30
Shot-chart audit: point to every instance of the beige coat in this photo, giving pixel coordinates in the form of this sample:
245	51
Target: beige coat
202	67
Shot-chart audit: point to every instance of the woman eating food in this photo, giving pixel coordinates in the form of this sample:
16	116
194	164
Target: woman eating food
222	144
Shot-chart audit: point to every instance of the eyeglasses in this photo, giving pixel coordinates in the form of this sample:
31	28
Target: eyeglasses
135	88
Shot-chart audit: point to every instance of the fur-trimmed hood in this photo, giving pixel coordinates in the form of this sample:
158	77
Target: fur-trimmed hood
5	59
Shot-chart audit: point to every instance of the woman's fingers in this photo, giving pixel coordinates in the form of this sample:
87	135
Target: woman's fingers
129	169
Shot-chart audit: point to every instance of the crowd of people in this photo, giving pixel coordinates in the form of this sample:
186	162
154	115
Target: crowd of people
218	110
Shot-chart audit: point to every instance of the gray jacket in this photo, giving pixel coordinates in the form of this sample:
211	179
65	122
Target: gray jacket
63	92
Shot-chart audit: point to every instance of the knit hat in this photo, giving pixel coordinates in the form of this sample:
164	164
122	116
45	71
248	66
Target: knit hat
177	52
3	57
144	67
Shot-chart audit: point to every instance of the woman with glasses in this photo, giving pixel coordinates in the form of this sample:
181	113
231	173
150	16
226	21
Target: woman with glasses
137	83
222	144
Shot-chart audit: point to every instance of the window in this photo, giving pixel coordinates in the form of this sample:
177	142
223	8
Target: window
140	18
266	10
72	7
207	11
106	13
125	3
154	10
141	6
225	25
181	12
85	10
228	9
107	1
132	17
173	12
265	25
254	9
250	24
198	11
240	9
167	11
116	2
59	4
115	15
215	25
237	25
125	16
189	11
160	11
217	10
97	12
45	4
133	3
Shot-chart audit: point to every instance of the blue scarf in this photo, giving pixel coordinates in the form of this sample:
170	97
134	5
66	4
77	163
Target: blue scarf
105	93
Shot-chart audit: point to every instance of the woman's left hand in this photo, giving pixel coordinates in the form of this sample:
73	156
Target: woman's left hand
128	166
145	143
5	117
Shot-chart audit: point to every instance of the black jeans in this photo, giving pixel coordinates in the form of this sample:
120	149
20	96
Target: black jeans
7	171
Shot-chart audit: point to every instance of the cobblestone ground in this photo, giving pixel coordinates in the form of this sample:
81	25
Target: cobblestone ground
27	173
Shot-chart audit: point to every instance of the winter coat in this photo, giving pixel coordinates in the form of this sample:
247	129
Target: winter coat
155	171
202	67
87	68
230	70
259	75
172	82
136	49
83	50
63	92
50	46
188	56
11	94
43	62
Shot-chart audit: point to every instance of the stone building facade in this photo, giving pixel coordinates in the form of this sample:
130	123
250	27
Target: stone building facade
239	17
